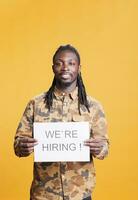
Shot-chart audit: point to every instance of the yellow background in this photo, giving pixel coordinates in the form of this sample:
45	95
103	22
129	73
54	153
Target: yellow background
105	33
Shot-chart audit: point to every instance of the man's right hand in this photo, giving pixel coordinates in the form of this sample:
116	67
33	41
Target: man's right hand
26	145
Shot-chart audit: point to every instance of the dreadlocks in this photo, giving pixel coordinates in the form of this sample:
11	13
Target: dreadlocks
82	97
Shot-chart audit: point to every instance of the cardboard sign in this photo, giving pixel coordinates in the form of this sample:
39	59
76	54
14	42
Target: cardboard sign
61	141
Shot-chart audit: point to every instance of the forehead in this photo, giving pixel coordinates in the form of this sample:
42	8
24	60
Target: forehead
66	55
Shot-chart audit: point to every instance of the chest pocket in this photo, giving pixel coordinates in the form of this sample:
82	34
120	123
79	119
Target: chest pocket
48	117
83	118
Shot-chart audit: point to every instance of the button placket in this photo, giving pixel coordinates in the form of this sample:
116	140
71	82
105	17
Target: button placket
65	108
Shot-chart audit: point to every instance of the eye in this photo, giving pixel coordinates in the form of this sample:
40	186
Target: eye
58	64
71	63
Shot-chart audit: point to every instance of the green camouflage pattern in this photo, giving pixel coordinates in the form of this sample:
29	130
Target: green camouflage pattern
63	180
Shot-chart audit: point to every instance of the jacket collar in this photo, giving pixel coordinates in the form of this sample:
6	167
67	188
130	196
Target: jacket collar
59	94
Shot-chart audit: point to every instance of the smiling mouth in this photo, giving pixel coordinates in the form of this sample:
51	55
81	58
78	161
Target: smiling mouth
65	74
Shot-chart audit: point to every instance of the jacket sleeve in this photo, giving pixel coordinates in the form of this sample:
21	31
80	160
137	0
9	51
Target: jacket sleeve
99	129
25	127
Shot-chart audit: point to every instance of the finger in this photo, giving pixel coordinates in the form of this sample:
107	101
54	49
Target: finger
25	153
89	140
27	150
95	149
95	152
95	140
27	140
27	145
99	139
94	145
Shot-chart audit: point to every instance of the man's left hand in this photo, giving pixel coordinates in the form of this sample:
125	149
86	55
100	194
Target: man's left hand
96	145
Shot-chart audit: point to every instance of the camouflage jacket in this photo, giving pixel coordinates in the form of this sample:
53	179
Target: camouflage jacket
63	180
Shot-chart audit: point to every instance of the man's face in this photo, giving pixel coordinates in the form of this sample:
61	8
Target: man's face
66	67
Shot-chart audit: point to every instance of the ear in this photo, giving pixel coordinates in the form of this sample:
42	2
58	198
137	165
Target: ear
53	68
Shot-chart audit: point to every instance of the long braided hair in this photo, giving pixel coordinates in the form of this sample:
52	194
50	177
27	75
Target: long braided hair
82	96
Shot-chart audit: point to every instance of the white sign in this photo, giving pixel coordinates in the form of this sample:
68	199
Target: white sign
61	141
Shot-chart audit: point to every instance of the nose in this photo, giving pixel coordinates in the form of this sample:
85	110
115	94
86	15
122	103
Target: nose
65	66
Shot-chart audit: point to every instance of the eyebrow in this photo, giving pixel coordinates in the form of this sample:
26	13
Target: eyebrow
59	59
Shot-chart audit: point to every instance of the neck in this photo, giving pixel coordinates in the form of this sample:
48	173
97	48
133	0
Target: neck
66	87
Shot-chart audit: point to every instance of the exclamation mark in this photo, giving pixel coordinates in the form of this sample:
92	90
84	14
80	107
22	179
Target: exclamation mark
80	146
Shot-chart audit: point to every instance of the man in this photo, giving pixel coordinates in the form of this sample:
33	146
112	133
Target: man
65	101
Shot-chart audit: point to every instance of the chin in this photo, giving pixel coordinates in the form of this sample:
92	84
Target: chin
66	83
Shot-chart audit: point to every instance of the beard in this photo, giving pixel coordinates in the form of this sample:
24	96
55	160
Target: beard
63	83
